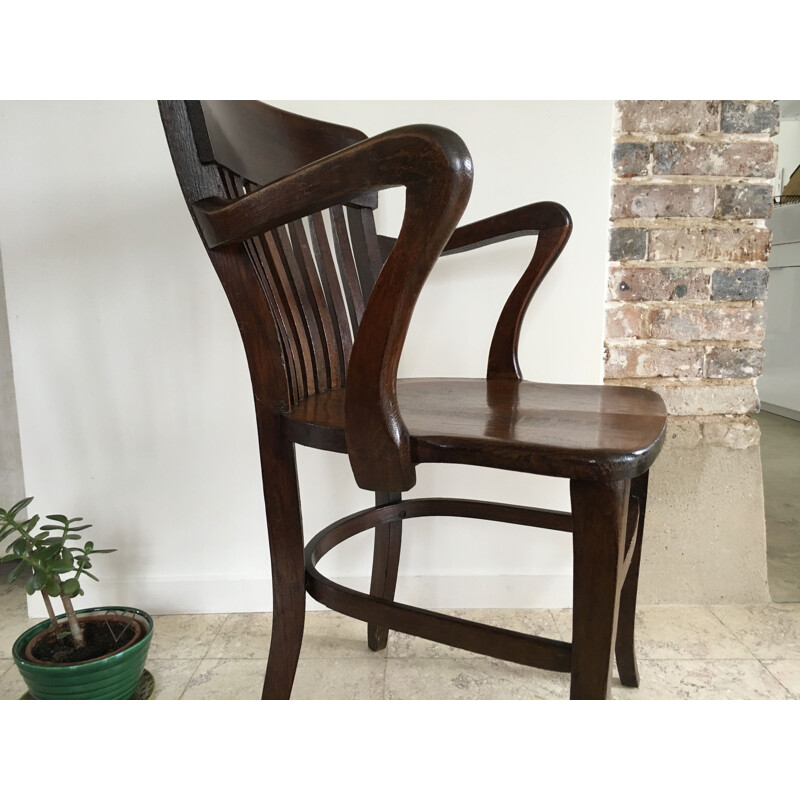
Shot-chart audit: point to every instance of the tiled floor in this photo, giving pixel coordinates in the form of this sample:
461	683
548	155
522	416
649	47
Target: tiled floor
685	652
725	652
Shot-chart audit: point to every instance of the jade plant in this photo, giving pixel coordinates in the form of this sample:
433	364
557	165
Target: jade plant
50	558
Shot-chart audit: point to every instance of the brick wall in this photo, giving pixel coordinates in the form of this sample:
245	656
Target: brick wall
687	250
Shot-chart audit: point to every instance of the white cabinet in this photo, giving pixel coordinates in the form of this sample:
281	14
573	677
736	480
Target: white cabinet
779	386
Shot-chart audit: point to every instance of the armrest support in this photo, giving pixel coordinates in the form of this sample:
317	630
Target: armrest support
436	168
553	225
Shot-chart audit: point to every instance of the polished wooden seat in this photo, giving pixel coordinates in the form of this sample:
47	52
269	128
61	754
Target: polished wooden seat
592	432
284	205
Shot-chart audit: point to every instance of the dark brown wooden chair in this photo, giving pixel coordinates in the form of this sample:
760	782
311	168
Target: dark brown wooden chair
323	314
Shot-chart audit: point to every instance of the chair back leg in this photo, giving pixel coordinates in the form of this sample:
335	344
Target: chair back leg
599	518
285	531
625	647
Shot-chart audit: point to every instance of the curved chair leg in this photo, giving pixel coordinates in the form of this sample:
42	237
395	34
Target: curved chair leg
626	655
599	518
385	562
285	530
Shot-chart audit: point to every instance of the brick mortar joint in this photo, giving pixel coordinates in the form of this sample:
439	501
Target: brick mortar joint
710	137
670	344
690	383
673	304
700	266
688	223
691	180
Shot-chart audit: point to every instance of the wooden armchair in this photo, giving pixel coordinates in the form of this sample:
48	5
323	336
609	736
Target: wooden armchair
323	317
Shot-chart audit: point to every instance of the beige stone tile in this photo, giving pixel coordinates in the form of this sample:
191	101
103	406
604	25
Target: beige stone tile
768	632
538	622
478	678
328	634
184	636
12	687
339	679
12	627
227	679
684	632
788	674
675	632
243	636
171	675
688	679
13	599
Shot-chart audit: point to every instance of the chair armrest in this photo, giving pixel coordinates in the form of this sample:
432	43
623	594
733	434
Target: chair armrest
552	224
529	220
435	166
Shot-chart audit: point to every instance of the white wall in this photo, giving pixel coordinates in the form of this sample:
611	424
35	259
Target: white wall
133	393
11	478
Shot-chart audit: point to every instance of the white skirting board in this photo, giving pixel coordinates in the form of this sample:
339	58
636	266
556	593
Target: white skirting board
248	594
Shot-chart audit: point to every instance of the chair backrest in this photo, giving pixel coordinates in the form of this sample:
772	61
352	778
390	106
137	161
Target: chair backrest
299	291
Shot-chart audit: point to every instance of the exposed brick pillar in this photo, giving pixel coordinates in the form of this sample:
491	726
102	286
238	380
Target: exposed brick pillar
687	282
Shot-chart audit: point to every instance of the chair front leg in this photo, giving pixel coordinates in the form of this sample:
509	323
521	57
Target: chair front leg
385	563
285	531
625	652
599	523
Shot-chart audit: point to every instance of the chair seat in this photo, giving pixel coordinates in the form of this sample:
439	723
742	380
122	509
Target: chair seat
583	432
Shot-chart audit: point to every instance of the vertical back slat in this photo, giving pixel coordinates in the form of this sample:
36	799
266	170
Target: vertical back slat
329	279
347	266
289	300
331	352
266	277
237	187
283	318
307	302
366	249
317	306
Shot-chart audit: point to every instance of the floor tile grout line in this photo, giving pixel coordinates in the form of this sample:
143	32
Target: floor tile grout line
733	632
225	618
191	678
792	695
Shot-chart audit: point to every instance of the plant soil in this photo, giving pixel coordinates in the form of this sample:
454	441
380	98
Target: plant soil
101	638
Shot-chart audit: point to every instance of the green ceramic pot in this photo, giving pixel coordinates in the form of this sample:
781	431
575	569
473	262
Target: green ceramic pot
113	677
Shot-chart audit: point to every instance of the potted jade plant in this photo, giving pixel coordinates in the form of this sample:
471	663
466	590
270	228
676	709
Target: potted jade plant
96	653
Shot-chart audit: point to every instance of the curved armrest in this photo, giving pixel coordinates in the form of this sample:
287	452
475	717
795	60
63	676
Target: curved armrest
549	221
553	225
528	220
435	166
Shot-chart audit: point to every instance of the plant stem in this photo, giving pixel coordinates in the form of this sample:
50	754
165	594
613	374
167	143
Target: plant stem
50	612
74	628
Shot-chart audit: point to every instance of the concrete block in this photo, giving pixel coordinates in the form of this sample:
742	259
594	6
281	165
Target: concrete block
705	535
